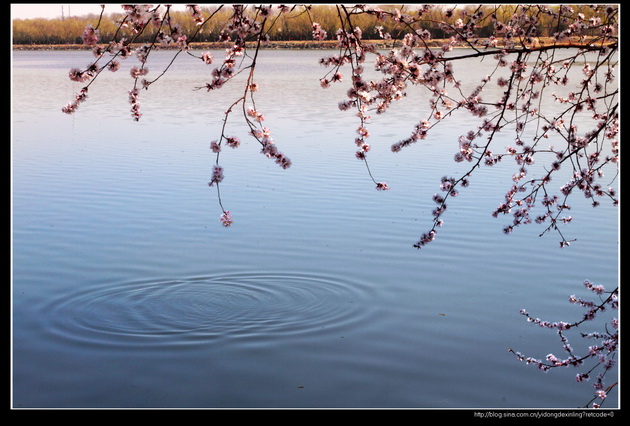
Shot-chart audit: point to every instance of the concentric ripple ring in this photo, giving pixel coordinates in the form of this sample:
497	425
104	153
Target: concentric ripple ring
204	308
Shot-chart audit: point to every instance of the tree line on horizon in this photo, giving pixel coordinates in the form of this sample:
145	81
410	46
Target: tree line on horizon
289	27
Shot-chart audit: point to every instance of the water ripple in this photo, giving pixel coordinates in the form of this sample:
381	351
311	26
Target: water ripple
197	310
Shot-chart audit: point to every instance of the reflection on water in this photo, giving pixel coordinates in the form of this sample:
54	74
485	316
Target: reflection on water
127	292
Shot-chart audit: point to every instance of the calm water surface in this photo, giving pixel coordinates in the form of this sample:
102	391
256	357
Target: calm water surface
127	292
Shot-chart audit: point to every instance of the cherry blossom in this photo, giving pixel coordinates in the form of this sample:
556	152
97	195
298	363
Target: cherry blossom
603	353
226	219
526	69
554	153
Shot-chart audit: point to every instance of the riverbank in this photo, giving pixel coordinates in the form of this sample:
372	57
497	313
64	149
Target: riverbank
297	45
290	45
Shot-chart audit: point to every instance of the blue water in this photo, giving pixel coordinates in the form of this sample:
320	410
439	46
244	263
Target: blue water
127	291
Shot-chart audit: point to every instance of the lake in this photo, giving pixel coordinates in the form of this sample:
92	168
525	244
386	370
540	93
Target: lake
128	293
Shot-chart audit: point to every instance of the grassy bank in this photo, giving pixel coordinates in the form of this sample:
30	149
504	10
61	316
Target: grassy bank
329	44
298	45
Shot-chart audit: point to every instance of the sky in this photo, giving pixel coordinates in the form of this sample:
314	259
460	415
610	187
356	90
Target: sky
54	10
51	10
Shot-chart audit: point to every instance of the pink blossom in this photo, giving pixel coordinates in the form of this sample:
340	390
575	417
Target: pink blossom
207	57
71	107
77	75
256	115
217	175
425	239
90	36
581	377
138	72
196	13
182	42
134	96
113	66
226	219
413	62
318	32
233	141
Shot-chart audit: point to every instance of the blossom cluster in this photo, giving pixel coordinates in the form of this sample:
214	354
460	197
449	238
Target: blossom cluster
269	148
80	76
241	28
71	107
318	32
135	19
532	70
359	96
586	126
217	175
576	143
603	351
226	218
134	100
90	36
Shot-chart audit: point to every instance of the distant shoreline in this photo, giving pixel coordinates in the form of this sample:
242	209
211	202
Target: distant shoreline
298	45
289	45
